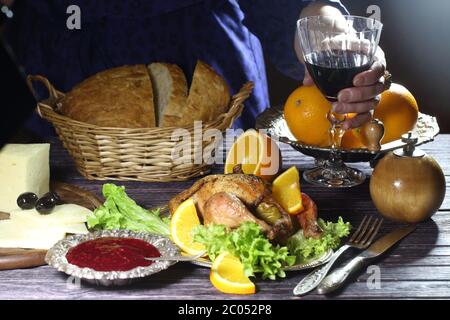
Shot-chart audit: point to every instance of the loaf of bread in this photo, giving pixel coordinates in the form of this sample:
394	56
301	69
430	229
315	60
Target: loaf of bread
148	96
119	97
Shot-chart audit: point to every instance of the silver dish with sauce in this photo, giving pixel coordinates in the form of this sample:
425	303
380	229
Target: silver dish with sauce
56	257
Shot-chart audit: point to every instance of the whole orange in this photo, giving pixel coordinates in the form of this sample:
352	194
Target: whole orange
305	112
398	110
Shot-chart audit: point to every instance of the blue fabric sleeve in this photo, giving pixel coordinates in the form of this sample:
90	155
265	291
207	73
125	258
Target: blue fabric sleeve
274	23
92	10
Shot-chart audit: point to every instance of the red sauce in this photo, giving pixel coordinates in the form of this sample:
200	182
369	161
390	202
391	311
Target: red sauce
112	254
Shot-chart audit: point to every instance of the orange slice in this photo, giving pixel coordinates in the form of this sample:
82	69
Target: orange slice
286	190
183	221
256	153
227	275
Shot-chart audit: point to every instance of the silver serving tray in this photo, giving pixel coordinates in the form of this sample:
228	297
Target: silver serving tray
206	263
56	257
272	120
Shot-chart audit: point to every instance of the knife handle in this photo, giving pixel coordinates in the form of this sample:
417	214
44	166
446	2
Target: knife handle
313	279
337	278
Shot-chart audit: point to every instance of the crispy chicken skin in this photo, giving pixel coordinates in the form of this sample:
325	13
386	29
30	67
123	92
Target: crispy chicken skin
232	199
249	189
225	208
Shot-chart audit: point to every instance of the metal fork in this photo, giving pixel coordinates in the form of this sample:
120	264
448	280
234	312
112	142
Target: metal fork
361	239
177	258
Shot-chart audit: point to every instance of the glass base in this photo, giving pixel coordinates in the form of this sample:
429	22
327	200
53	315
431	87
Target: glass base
334	175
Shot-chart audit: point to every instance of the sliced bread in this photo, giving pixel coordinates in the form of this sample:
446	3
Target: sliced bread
209	95
170	91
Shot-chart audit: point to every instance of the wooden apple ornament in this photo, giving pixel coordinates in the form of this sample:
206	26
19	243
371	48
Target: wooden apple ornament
407	185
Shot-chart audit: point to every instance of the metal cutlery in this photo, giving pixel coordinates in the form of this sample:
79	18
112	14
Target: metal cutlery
361	239
177	258
337	278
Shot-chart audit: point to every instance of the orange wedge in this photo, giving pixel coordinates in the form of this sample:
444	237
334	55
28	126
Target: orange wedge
227	275
183	221
286	190
256	153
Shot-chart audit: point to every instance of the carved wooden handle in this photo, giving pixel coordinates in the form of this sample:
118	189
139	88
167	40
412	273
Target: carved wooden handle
374	132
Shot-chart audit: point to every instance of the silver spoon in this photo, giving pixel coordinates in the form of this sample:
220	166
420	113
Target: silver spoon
177	258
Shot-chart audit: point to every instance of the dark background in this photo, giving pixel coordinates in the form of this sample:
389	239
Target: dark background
416	40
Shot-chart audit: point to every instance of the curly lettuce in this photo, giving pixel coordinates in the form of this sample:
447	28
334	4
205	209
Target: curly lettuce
249	244
309	248
119	211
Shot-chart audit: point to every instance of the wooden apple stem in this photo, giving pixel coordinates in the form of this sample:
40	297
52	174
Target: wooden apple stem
374	132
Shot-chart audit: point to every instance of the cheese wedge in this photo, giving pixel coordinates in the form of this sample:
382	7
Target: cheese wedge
23	168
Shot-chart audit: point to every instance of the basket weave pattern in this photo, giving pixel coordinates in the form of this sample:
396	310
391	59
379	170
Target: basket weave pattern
144	154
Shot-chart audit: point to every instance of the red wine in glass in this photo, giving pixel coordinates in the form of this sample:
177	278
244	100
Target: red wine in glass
334	70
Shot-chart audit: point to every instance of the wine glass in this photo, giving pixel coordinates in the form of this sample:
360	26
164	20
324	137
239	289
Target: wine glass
335	50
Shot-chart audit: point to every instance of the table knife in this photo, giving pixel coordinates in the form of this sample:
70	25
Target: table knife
337	278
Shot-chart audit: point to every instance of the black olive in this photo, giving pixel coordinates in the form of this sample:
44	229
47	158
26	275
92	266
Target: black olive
27	200
45	204
54	195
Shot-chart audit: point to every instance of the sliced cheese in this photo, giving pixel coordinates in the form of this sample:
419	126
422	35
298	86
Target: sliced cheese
15	235
31	230
23	168
60	215
77	228
44	242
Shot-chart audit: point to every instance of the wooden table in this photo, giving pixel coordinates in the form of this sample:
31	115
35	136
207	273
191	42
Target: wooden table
417	267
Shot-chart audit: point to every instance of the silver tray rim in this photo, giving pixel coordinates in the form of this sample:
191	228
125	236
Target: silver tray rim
272	121
206	263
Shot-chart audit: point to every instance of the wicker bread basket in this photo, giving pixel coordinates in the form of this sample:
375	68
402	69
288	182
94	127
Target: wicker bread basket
144	154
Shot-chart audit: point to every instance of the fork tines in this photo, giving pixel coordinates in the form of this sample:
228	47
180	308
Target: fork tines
366	231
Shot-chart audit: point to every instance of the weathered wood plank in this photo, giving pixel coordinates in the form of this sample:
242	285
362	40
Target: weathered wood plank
418	267
181	283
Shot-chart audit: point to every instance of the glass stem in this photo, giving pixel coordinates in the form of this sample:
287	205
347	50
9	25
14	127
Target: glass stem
335	169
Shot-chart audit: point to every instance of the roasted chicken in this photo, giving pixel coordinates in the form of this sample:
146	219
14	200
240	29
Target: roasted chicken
235	198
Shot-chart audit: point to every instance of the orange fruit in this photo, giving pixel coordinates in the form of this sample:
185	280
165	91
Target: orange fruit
182	222
353	139
305	112
256	153
398	110
227	275
286	190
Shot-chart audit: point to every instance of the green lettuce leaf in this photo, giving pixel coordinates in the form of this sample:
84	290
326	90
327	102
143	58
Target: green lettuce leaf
119	211
309	248
214	237
249	244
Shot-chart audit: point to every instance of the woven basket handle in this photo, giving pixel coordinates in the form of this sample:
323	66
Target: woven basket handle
243	94
237	104
54	94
